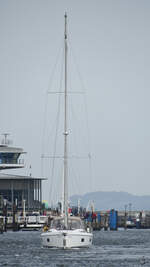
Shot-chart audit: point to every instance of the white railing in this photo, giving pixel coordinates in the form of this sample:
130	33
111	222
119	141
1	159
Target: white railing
29	219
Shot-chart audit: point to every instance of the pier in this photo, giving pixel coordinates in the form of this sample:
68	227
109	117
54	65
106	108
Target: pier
107	220
112	220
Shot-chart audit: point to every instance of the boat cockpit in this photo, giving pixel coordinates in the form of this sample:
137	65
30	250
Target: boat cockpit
73	224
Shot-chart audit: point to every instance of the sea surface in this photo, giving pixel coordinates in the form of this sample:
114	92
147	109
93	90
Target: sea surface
110	249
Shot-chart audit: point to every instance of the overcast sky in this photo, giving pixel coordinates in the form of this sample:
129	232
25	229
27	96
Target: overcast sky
111	42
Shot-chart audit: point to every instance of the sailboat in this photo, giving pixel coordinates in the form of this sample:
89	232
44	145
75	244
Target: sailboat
66	231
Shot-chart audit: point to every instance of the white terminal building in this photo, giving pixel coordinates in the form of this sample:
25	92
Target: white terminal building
16	188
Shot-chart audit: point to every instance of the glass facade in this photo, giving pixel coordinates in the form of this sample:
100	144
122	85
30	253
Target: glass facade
9	158
21	189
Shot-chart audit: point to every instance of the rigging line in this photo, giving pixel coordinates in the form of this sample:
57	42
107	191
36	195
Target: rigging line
77	130
58	186
55	144
74	185
86	112
74	136
76	66
75	181
46	104
51	157
84	92
75	141
80	132
56	131
77	92
75	119
69	157
43	135
54	68
61	71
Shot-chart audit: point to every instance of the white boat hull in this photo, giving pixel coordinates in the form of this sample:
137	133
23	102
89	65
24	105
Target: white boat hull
66	239
31	227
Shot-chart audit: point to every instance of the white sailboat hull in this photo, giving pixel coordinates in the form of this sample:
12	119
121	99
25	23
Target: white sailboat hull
66	238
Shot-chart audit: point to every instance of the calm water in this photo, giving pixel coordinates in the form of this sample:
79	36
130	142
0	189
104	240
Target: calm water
110	249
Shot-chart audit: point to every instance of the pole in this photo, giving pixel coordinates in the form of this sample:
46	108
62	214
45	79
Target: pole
5	214
125	217
130	205
24	210
78	206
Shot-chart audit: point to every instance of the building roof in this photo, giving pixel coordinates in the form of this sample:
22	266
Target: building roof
4	176
8	149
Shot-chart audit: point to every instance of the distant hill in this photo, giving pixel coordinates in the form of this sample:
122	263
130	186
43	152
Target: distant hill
112	200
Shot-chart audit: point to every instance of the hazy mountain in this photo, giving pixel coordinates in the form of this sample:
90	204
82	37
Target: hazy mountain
112	200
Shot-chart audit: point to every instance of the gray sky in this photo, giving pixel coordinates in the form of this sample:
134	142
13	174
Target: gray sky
111	42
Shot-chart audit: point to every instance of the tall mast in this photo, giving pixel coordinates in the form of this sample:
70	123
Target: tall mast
65	133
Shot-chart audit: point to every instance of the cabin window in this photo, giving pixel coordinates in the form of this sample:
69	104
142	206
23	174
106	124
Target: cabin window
47	239
82	240
72	224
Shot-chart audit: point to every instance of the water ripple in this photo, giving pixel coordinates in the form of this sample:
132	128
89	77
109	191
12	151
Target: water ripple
110	249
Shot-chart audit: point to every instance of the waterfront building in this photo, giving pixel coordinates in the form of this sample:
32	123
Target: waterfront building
17	188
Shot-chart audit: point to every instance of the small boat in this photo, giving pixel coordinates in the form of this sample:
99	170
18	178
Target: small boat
130	223
66	231
31	227
33	222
